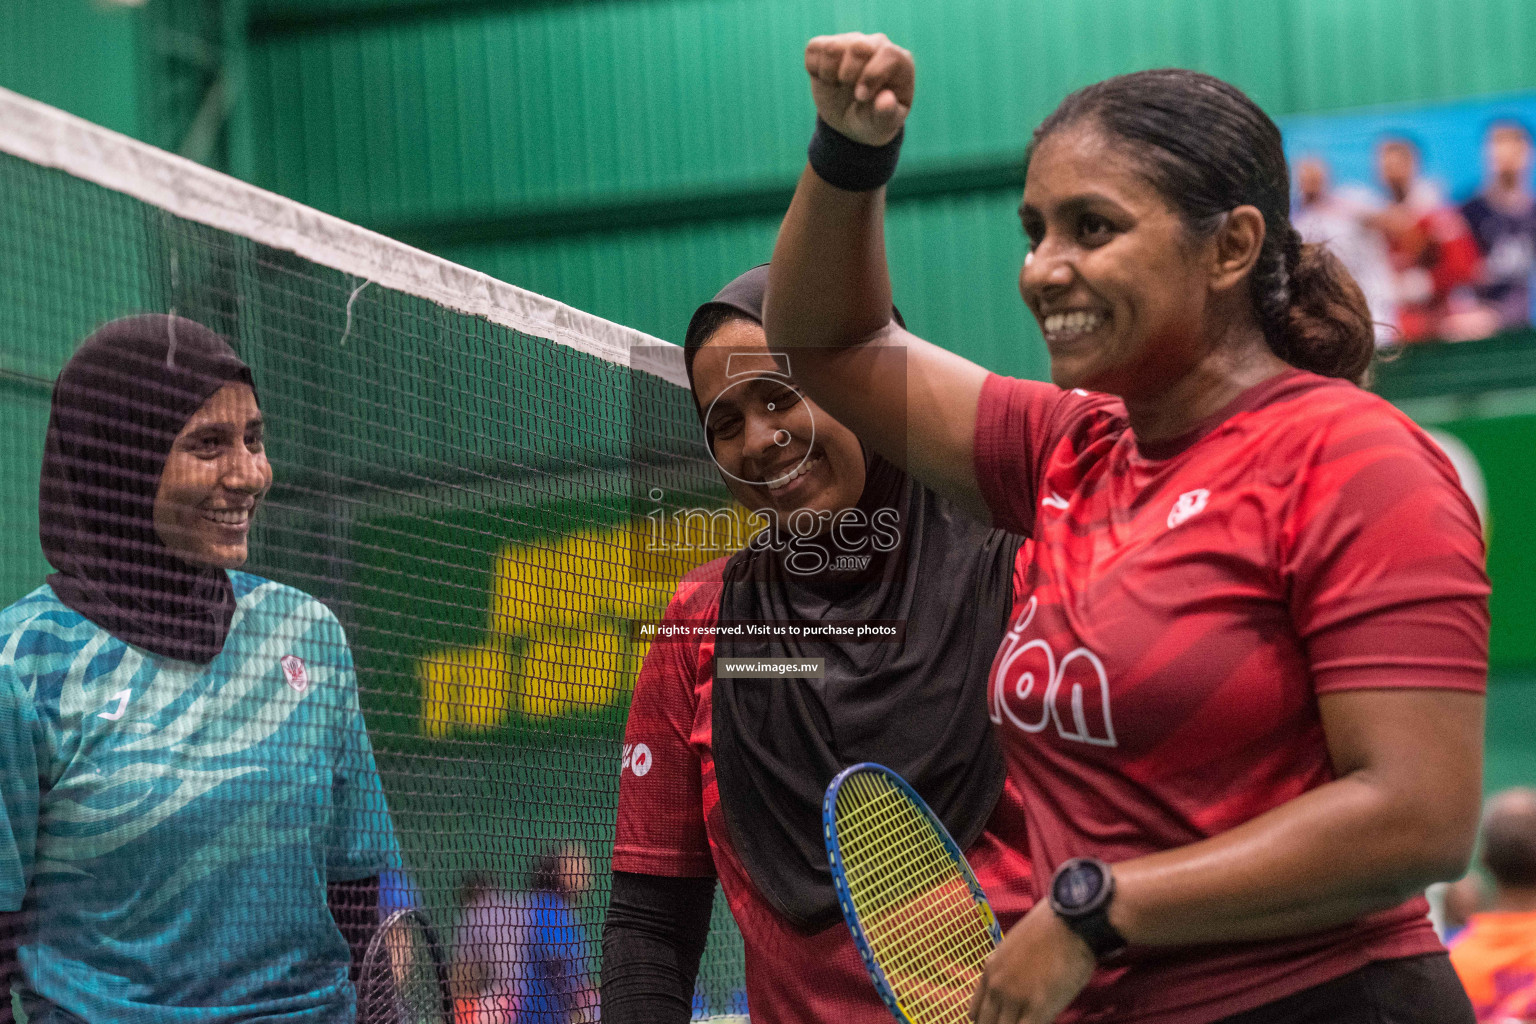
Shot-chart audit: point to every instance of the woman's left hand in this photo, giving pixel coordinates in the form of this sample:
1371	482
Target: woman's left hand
1038	970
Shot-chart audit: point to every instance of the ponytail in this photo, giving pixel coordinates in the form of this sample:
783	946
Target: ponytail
1314	315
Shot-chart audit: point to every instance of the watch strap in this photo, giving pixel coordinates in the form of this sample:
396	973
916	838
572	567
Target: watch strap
1103	940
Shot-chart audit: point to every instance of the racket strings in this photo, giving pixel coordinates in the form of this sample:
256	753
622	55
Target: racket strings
402	980
913	901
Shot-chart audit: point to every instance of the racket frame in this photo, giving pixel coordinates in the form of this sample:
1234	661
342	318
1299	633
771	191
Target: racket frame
840	875
434	947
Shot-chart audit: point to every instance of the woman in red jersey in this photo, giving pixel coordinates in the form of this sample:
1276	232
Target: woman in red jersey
723	777
1242	692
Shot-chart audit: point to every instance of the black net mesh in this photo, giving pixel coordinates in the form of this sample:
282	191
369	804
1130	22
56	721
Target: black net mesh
451	513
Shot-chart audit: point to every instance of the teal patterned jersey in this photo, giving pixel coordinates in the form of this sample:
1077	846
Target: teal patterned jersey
170	827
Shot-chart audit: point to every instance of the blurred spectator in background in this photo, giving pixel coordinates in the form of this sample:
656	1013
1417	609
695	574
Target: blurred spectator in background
1503	220
1434	256
1344	219
519	957
1459	900
397	891
556	989
487	951
1495	955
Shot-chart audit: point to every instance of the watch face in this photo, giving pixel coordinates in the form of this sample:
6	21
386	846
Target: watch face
1078	885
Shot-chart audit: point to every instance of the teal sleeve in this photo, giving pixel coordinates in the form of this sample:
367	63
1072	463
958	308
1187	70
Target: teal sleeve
19	787
364	835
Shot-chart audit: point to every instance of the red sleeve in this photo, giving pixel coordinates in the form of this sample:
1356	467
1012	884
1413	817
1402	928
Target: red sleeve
1019	423
1457	261
1383	560
661	805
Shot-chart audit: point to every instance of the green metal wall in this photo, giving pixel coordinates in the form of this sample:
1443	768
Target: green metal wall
529	104
62	273
564	145
75	54
169	72
954	259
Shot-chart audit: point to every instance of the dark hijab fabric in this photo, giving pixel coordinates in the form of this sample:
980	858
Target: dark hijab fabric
918	707
118	405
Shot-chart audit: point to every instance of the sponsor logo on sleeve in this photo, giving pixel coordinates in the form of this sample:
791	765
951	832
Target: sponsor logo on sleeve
295	672
637	758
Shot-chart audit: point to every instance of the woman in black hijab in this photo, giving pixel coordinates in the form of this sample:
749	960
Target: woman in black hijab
192	816
118	407
724	777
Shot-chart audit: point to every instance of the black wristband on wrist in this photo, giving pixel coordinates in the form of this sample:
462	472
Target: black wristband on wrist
852	166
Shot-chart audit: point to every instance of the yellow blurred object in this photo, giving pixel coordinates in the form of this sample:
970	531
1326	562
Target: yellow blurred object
558	634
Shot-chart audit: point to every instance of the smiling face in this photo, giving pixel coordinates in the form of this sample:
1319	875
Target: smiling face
574	871
1398	164
1117	282
1509	155
216	474
777	450
1311	179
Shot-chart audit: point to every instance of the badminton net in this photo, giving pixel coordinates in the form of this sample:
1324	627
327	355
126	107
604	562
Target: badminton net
459	467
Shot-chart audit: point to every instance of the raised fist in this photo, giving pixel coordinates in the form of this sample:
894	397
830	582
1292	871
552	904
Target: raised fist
862	84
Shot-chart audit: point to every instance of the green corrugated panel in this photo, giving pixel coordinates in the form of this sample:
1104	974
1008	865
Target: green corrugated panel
955	262
23	422
192	66
1364	52
62	273
74	54
647	279
507	107
307	11
530	105
955	265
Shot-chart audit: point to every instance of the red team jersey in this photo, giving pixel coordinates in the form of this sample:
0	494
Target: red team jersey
1180	610
670	823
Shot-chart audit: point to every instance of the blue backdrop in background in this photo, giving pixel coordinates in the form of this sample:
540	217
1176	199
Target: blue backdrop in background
1449	136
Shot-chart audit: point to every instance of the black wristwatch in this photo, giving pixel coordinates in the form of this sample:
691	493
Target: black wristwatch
1081	891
